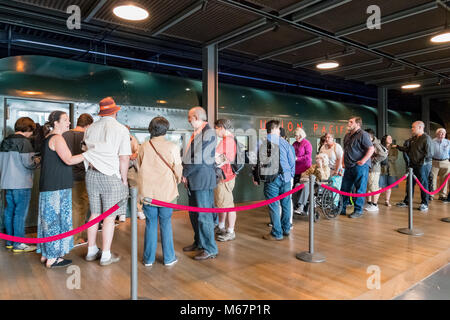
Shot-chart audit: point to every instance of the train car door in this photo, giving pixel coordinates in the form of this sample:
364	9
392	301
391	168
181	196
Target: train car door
39	112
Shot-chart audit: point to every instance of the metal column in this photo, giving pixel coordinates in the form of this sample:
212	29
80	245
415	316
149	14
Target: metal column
134	244
382	112
426	113
210	95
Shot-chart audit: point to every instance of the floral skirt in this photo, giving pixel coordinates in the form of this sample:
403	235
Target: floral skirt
55	217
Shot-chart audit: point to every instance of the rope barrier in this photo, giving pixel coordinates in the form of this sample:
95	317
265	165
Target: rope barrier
432	193
68	233
363	194
220	210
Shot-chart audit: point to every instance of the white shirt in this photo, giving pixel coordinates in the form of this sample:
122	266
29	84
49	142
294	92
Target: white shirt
106	140
332	153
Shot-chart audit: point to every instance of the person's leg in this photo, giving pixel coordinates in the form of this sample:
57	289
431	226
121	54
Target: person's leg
388	196
424	173
151	233
165	230
22	202
347	186
219	203
445	170
303	198
272	190
8	217
193	217
205	199
361	177
285	208
435	174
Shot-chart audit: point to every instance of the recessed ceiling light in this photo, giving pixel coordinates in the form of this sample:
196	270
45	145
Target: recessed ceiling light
411	86
131	12
327	65
441	37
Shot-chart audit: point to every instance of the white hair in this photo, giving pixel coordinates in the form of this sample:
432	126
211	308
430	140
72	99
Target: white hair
200	113
439	130
299	132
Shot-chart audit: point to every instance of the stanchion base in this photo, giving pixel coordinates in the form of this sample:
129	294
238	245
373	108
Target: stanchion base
446	219
411	232
140	298
310	257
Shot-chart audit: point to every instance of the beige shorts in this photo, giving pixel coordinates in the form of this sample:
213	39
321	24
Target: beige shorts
373	184
223	194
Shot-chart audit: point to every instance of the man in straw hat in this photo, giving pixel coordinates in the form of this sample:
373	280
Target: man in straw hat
106	160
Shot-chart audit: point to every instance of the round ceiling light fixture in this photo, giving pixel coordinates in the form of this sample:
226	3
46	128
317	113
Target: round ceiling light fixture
326	65
411	86
131	12
441	37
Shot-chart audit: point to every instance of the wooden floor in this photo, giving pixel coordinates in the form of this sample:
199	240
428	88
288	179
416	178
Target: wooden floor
252	268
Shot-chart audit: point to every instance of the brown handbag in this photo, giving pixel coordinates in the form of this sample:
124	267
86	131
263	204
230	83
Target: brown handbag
165	162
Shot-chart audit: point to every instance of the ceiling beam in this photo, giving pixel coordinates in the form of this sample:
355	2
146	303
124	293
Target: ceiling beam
390	79
94	10
290	48
374	73
318	9
297	7
408	37
355	66
248	35
236	32
390	18
433	62
423	51
180	16
331	56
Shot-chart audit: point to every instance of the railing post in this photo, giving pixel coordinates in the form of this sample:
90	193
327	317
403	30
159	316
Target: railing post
311	256
410	230
134	244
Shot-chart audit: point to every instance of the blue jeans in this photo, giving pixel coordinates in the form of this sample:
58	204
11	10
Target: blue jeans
17	203
280	224
164	215
422	173
356	176
203	222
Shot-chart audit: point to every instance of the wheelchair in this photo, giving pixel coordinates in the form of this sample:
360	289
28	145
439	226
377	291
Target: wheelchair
326	203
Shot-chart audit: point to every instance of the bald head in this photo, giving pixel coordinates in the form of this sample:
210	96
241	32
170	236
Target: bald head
196	117
417	128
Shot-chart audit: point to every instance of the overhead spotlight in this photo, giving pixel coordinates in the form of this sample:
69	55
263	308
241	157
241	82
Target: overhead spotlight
325	65
131	12
410	86
444	36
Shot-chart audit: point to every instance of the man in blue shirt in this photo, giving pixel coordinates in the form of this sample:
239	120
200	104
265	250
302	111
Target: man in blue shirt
358	149
282	170
441	164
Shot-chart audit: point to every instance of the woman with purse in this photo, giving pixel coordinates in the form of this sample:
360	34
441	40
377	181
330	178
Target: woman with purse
160	171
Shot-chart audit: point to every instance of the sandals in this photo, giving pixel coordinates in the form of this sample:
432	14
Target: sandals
63	263
388	204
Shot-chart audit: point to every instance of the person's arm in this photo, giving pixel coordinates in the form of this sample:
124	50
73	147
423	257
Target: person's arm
60	146
178	168
369	154
306	157
124	162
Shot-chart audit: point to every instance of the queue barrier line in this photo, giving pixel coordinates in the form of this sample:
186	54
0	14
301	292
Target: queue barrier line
363	194
68	233
432	193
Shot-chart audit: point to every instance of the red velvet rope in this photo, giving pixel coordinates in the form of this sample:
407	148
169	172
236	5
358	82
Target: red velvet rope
432	193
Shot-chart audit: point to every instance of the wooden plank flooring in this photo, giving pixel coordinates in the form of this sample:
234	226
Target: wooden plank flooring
252	268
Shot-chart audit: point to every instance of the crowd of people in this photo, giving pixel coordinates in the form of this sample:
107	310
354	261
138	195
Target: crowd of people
87	170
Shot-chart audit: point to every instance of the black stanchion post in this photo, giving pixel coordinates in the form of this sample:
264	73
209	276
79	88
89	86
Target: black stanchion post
311	256
410	230
134	244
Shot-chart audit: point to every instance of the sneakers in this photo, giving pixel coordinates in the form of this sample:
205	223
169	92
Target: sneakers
114	258
220	231
141	216
192	247
205	255
148	264
423	207
24	248
9	246
94	257
401	204
372	208
171	263
446	201
270	237
443	198
299	210
228	236
122	218
355	215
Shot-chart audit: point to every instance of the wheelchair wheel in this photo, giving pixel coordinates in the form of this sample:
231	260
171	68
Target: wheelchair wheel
331	204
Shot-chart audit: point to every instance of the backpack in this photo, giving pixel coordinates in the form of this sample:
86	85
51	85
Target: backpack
268	165
241	158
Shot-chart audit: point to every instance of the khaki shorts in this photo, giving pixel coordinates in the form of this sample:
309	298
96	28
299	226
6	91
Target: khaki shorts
373	184
223	194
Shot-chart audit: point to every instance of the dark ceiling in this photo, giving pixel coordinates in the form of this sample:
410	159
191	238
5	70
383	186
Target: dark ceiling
280	39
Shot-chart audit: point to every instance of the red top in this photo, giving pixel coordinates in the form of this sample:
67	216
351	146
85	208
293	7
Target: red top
227	147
